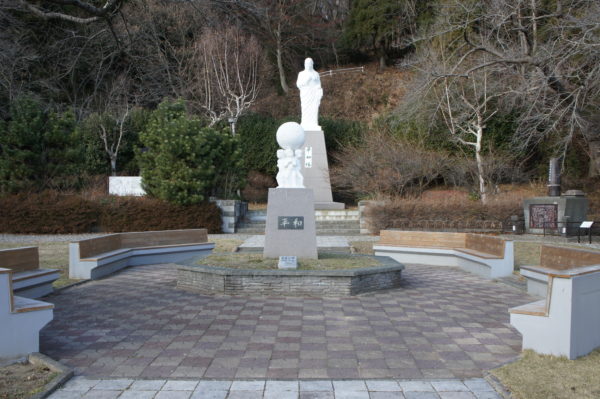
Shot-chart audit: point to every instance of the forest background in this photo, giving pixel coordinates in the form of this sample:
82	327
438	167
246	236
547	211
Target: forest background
467	98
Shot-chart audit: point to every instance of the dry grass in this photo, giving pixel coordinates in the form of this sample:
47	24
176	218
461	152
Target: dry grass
548	377
226	245
22	381
362	247
256	261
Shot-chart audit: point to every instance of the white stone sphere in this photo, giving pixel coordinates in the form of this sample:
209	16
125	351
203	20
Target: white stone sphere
290	135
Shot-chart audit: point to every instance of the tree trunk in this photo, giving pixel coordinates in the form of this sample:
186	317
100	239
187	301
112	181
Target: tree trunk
113	165
594	148
282	80
479	159
382	63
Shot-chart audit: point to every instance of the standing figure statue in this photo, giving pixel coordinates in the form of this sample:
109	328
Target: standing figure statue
311	93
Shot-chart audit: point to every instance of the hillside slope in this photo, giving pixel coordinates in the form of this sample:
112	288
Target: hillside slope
353	96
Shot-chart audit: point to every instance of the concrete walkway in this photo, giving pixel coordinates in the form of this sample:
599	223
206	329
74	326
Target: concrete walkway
81	387
442	323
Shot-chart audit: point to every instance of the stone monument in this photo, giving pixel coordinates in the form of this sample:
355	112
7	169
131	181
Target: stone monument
315	167
555	212
290	228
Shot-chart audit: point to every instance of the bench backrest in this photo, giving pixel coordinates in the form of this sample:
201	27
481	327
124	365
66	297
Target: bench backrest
95	246
20	259
484	243
166	237
560	258
422	239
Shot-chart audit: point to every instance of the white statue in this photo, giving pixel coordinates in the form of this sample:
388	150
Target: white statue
311	93
290	137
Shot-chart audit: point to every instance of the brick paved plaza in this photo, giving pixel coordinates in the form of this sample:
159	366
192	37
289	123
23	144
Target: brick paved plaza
442	323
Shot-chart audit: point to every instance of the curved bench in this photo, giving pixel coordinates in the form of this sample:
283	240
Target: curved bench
567	322
97	257
28	280
484	255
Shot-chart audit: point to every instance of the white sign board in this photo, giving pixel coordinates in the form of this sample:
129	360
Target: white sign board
125	185
586	225
288	262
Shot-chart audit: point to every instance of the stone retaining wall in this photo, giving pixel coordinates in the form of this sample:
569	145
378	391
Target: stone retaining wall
219	280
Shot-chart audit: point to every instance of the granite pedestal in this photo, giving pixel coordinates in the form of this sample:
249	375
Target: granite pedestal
315	170
290	228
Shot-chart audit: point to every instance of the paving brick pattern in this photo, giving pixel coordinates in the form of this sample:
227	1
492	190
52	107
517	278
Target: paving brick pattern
85	388
442	323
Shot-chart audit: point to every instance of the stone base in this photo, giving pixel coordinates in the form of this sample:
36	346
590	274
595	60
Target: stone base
316	283
329	206
256	244
290	203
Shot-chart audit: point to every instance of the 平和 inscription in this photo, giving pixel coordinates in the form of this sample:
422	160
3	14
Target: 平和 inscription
290	222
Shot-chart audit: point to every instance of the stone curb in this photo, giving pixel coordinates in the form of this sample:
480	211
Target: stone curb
497	385
65	374
387	265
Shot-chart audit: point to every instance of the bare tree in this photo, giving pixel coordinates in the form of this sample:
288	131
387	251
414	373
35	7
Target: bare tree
224	73
466	105
77	11
547	56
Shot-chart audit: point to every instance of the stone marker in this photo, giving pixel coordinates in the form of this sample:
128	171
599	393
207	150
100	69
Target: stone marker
288	262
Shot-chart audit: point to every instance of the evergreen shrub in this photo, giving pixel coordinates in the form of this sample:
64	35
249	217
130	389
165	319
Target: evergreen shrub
183	161
38	149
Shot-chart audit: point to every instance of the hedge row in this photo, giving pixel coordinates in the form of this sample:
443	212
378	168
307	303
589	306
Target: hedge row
54	213
396	213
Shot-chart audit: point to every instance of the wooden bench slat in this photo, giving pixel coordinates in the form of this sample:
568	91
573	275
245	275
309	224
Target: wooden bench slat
560	258
20	259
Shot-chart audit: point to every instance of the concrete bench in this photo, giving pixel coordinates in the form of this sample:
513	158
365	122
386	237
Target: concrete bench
484	255
567	321
28	280
97	257
21	320
553	259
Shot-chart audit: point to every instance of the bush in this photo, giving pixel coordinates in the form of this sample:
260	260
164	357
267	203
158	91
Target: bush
118	214
445	208
184	161
50	212
388	165
257	139
47	212
38	149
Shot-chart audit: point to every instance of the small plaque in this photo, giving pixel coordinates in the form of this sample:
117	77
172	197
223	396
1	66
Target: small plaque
586	224
308	157
288	262
543	216
290	222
